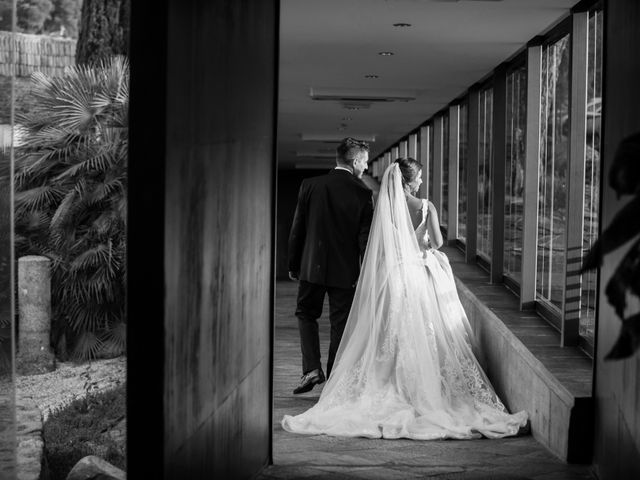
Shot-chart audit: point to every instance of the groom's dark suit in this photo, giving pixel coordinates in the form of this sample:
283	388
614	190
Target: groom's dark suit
328	238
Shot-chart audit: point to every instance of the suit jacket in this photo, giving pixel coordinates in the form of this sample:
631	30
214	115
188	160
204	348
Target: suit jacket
330	229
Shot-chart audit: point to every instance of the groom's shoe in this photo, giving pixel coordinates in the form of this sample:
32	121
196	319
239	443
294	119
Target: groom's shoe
309	380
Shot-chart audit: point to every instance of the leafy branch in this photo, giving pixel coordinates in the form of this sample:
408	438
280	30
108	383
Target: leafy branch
624	178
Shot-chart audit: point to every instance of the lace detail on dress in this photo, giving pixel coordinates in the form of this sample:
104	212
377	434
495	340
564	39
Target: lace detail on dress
348	387
463	378
422	232
405	367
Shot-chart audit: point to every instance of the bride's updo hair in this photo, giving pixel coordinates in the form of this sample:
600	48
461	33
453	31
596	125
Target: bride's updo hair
409	167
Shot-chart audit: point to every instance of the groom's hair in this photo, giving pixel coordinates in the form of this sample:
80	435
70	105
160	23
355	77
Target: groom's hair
349	149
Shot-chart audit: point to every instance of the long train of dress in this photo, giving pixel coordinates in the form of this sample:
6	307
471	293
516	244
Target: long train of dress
405	367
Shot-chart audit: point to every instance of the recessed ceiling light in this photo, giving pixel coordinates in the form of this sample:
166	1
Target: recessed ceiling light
371	76
402	25
346	119
385	54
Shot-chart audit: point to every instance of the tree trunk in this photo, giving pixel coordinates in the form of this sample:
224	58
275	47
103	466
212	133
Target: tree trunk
104	30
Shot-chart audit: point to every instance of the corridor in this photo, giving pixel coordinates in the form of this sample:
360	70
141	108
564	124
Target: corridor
517	150
320	456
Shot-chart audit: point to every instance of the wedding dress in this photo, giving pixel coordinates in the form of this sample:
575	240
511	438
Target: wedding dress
405	367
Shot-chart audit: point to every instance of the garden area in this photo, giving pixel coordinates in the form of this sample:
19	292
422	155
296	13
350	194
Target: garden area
65	85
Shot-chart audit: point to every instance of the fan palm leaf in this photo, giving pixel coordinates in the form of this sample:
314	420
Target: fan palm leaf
64	210
105	223
37	219
98	160
115	338
71	197
87	345
38	197
93	257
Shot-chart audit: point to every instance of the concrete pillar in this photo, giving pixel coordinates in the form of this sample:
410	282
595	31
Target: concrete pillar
34	307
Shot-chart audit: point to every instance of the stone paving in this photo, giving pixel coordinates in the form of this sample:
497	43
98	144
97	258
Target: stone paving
323	457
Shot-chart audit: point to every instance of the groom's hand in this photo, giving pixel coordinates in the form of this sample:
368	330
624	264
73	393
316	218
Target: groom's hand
293	276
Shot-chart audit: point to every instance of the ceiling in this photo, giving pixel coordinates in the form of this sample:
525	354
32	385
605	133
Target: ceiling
330	45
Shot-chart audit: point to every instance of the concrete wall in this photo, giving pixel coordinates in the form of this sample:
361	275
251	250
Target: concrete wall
219	236
617	383
201	237
559	420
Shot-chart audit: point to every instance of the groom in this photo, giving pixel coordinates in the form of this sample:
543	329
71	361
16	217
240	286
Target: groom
327	241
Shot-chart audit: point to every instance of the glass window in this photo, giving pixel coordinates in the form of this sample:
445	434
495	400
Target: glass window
485	164
430	167
514	181
552	172
444	217
591	170
8	441
463	136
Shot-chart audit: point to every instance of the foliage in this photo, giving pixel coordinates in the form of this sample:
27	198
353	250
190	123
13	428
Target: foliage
6	14
104	30
80	429
42	16
624	178
22	98
32	14
70	202
65	16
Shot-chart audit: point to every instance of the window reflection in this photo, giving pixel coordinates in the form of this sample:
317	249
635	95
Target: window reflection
430	167
444	217
462	172
514	182
7	386
591	170
485	164
552	172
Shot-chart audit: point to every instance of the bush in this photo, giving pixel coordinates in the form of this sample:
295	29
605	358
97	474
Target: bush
81	428
70	202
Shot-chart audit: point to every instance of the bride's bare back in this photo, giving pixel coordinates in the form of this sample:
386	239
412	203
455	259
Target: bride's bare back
416	207
415	210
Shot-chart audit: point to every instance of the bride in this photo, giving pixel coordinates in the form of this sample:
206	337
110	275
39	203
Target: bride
405	368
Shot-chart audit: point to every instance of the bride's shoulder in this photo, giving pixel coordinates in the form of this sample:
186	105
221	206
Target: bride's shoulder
423	204
413	201
428	205
414	204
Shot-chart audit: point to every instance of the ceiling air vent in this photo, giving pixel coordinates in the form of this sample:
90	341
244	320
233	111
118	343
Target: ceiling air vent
360	96
351	105
454	1
335	137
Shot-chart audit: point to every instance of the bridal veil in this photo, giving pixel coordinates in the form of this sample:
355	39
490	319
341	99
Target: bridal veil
405	366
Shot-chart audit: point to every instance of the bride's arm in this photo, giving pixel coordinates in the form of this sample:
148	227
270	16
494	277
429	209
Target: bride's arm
433	227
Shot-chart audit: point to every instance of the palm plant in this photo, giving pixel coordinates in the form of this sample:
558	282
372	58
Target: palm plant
70	202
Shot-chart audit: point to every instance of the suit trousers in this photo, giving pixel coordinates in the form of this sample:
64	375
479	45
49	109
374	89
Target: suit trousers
309	309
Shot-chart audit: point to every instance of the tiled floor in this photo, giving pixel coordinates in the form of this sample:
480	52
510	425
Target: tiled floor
323	457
